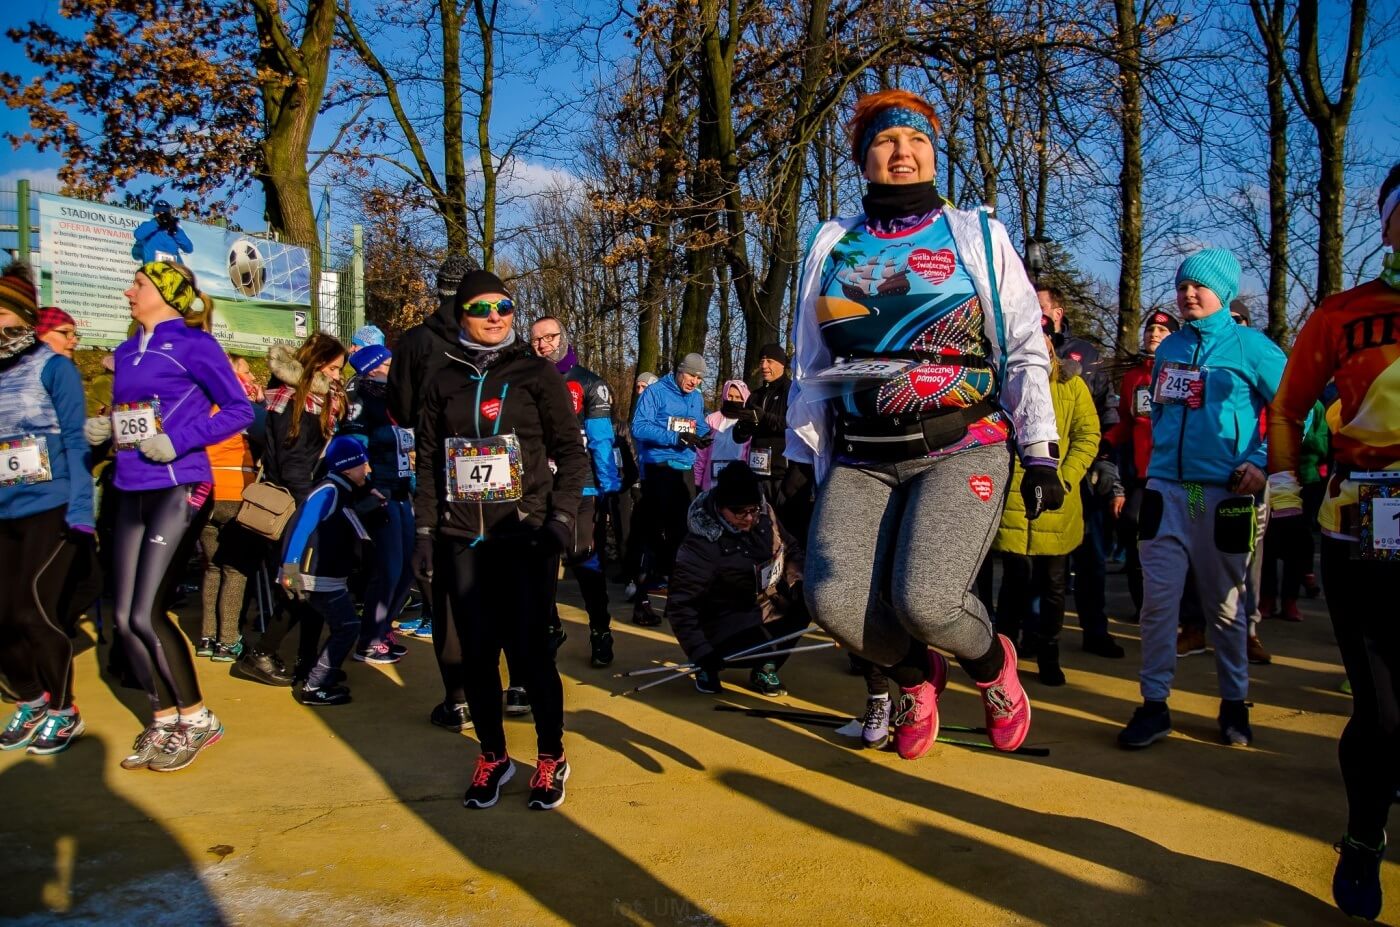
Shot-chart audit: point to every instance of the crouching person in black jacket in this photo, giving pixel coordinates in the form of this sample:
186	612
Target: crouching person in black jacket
737	583
492	521
323	549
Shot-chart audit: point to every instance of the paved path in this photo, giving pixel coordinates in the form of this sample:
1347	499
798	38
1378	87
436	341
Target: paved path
678	814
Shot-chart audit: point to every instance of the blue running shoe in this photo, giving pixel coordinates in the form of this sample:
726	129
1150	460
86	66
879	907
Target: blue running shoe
56	734
424	631
23	726
408	625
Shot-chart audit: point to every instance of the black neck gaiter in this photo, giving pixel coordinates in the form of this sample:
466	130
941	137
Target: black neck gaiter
885	201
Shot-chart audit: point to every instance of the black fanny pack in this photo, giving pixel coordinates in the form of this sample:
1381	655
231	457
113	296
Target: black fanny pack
890	438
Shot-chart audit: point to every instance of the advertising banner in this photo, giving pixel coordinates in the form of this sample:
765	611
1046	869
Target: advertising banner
88	252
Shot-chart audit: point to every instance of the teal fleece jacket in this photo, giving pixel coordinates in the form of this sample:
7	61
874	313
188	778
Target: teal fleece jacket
1241	369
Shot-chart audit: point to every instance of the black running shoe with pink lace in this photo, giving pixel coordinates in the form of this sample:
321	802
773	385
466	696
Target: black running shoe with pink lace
547	786
490	774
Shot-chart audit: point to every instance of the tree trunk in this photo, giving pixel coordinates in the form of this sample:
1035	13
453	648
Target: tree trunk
982	135
1272	23
486	27
651	297
294	85
454	164
1330	120
726	351
1129	37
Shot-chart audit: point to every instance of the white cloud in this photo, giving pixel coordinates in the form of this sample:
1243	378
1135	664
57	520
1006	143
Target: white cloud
525	178
40	178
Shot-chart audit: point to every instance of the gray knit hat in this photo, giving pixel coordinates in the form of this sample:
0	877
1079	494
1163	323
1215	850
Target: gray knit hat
693	364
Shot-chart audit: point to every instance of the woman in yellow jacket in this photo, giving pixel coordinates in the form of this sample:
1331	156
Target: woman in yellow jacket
1035	554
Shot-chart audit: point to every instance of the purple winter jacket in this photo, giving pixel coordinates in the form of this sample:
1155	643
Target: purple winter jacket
186	370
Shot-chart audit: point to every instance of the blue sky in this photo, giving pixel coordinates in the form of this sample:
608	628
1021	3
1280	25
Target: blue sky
1376	122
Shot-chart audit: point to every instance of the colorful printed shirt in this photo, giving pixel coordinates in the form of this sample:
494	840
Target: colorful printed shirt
1353	338
900	292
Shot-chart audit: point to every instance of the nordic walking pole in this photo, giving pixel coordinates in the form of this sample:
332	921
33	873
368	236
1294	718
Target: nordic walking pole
647	671
650	670
783	653
815	717
681	671
1021	751
777	640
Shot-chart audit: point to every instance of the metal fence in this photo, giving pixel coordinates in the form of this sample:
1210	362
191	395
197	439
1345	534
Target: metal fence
338	297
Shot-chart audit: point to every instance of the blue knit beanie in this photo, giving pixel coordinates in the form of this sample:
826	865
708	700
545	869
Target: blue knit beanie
344	453
367	336
1213	268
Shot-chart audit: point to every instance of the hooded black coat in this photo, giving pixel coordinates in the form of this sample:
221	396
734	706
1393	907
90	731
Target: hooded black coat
419	352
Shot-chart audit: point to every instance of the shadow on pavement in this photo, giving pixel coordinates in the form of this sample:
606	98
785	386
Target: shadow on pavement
94	837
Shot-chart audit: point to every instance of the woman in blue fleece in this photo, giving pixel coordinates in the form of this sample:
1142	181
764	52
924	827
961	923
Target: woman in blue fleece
45	500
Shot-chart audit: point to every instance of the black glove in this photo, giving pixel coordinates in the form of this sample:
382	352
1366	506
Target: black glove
1041	490
557	534
167	221
692	440
737	410
422	563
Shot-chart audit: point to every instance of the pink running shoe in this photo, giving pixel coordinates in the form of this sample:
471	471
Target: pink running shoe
916	713
915	721
1007	708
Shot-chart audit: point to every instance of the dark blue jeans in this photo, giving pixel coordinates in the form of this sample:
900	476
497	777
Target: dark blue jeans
337	609
388	586
1090	570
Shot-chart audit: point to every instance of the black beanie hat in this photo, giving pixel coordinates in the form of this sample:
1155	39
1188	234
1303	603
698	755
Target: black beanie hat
773	351
737	486
1164	319
478	283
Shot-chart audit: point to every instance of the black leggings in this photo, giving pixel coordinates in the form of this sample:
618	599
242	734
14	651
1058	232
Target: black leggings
35	652
1369	640
1022	579
153	537
667	494
498	594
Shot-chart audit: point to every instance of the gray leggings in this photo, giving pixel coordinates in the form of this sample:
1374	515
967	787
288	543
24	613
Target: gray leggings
894	551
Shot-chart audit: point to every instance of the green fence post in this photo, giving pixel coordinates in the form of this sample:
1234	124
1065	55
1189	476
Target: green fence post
357	273
22	219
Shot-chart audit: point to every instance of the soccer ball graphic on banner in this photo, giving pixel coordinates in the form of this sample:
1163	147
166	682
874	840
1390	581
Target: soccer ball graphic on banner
246	267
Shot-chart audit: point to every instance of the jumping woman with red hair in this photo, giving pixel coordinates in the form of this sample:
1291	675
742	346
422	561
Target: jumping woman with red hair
920	369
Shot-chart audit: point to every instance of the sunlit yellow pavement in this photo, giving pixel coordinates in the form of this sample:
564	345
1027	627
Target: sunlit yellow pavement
678	814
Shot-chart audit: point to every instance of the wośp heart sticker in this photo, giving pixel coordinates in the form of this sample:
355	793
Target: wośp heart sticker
981	486
933	266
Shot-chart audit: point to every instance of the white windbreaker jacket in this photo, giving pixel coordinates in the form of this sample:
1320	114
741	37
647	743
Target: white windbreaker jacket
1025	394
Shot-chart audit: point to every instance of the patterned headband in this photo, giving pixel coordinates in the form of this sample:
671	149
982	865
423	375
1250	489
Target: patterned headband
175	289
889	119
1389	205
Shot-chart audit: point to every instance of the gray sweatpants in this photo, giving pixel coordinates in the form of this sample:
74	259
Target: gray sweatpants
894	551
1215	538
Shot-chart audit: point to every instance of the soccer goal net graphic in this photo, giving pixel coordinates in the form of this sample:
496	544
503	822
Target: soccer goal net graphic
261	269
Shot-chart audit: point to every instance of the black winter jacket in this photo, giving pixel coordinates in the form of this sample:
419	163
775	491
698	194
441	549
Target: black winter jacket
292	462
516	394
715	591
770	401
417	354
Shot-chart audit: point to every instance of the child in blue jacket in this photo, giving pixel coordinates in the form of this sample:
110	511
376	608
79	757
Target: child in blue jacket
325	546
1203	505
